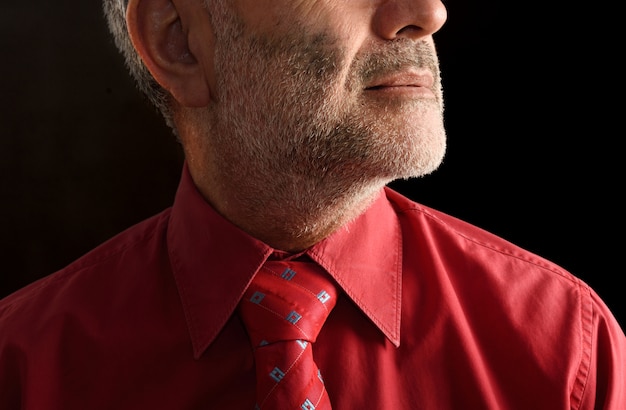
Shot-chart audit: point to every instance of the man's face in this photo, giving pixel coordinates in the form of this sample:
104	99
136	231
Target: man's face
305	87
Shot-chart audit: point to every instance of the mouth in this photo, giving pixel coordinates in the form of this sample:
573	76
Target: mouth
405	80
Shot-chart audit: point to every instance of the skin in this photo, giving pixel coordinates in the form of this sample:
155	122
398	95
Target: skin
293	114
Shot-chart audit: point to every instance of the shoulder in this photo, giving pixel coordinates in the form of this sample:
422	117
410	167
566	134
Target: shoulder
463	239
480	262
516	296
96	270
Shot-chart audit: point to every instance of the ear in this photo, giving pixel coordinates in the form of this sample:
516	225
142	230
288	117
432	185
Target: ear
160	32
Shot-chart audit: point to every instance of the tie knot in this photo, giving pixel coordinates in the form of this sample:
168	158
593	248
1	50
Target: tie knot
287	300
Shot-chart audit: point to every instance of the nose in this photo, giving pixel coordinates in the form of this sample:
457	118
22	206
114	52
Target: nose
413	19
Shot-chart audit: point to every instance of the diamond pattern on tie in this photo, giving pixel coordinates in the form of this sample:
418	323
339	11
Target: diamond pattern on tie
283	310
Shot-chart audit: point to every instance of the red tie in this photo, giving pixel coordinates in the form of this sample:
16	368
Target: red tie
283	310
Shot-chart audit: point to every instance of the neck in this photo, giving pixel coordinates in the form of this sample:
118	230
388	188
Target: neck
286	212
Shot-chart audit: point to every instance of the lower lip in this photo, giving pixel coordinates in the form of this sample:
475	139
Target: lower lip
402	91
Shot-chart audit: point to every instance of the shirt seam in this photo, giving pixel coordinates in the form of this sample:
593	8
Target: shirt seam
579	386
539	262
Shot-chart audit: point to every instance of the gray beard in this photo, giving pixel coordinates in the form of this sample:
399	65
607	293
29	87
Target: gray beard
281	133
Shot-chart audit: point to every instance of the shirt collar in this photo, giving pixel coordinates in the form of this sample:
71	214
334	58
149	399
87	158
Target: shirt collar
364	257
214	261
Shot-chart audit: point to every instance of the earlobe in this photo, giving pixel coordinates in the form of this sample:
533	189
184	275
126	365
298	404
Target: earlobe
158	32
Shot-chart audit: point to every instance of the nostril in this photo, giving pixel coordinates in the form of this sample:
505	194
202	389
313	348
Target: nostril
408	30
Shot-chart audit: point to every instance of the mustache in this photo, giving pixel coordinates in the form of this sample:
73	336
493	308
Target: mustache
401	54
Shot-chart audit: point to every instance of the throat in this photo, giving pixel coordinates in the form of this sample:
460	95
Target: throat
297	220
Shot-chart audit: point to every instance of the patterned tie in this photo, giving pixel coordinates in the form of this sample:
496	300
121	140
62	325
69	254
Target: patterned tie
283	310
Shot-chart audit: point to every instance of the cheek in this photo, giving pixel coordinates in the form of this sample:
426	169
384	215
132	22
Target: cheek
262	17
351	32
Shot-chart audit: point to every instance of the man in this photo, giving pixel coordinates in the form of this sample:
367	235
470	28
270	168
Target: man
293	116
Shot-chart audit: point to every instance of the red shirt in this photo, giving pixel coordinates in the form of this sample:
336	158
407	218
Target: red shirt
435	314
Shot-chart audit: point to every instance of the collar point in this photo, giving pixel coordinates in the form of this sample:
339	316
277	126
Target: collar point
394	339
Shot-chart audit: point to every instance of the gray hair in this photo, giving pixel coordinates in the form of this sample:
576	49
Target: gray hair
115	13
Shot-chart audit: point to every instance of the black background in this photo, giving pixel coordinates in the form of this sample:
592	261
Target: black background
533	103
